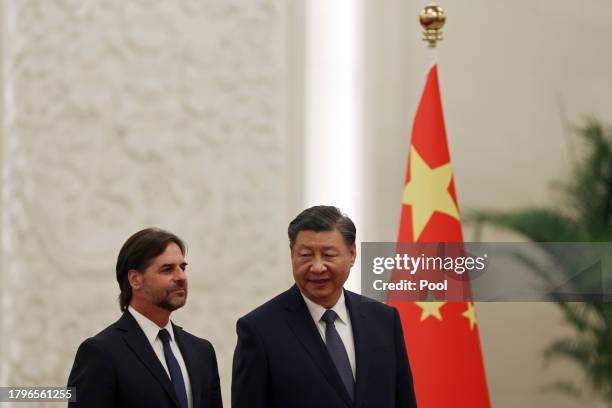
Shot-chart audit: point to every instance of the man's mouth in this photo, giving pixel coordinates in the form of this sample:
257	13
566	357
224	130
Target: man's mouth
319	280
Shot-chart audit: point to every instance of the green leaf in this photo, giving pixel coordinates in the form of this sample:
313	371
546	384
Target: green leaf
536	224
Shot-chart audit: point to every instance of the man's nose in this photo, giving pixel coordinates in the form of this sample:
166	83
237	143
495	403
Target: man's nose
179	274
318	266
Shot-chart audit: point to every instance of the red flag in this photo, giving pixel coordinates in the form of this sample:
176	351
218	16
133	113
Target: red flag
441	337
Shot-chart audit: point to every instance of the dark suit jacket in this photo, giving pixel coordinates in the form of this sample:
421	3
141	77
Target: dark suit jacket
281	360
118	368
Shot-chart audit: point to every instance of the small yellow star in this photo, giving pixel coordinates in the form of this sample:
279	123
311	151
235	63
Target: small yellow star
470	314
430	309
427	192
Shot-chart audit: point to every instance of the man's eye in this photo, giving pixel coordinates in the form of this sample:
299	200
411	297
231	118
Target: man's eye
330	254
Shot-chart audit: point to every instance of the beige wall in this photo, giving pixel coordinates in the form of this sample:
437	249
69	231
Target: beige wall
511	73
120	115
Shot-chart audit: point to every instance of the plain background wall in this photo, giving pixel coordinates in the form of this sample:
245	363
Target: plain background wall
189	115
120	115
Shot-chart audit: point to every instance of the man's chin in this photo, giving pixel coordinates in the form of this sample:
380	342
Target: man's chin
173	304
322	296
323	289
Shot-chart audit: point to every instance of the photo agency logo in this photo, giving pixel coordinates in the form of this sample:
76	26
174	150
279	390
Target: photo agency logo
502	272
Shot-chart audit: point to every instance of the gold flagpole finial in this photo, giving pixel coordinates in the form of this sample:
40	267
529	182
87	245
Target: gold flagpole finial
432	19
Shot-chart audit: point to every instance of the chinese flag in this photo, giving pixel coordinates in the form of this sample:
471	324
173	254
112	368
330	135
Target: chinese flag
441	337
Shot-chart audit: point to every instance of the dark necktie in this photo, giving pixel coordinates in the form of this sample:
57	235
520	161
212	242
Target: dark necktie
175	370
338	352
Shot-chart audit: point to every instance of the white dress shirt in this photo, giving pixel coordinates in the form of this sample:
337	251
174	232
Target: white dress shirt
343	325
151	331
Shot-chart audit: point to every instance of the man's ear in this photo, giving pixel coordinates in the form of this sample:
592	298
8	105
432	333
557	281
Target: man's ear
135	279
353	254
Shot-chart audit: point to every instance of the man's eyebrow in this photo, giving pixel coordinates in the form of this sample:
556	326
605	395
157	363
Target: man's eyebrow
322	247
172	264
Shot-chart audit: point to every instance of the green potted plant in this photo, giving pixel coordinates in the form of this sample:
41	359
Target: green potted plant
583	214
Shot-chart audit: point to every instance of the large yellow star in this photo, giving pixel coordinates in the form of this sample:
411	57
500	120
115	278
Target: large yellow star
430	309
427	191
470	314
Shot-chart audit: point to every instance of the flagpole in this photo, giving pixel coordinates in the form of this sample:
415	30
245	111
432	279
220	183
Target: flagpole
442	337
432	19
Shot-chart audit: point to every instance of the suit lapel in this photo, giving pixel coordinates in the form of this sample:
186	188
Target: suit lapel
300	321
353	304
138	343
193	370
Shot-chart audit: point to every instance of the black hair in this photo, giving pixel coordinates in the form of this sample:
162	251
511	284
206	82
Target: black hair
322	218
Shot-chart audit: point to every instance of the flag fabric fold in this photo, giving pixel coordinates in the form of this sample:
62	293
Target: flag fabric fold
441	337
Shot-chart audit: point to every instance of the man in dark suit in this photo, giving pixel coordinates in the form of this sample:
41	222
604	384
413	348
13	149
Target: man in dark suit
318	345
145	360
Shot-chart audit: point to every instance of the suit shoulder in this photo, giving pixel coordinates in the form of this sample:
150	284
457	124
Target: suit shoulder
106	336
270	308
202	342
101	344
371	305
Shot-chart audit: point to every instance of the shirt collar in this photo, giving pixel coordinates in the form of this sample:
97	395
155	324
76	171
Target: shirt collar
150	328
316	310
